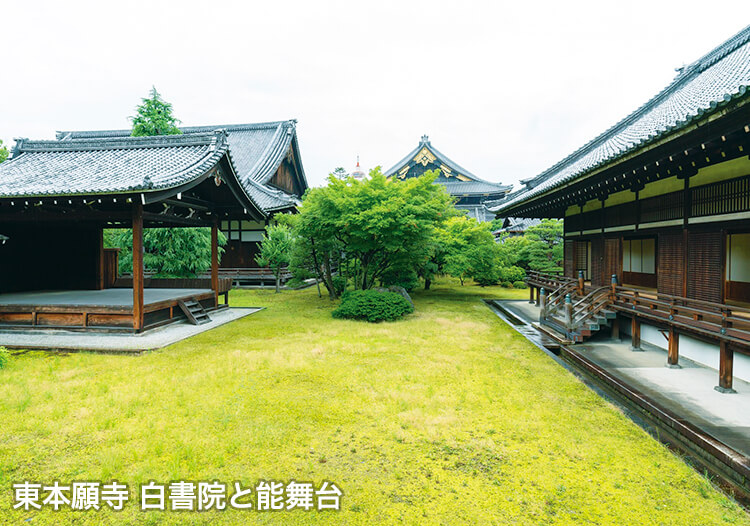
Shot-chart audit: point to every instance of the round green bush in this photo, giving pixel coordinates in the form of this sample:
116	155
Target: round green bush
519	285
506	285
512	274
373	306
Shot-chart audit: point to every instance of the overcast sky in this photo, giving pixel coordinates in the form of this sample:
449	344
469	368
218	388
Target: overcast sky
503	90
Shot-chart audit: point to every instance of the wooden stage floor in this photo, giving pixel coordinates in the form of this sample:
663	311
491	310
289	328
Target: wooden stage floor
98	298
108	309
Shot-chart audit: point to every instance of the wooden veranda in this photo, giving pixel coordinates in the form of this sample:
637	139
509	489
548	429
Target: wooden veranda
578	310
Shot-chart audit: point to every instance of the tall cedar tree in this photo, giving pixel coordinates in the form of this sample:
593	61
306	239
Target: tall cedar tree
154	117
170	252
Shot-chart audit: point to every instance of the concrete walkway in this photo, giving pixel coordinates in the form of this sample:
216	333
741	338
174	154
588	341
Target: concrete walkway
107	342
688	391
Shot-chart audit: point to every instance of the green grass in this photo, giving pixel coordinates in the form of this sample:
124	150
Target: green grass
445	417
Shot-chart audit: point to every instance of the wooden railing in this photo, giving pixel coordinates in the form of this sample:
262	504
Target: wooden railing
717	321
582	310
126	281
252	274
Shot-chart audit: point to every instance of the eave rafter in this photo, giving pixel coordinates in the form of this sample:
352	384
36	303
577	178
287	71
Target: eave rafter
682	159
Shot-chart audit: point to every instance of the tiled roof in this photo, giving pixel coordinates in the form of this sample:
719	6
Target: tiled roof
109	165
455	185
257	151
700	88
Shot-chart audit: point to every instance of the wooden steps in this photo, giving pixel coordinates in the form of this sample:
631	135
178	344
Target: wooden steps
194	312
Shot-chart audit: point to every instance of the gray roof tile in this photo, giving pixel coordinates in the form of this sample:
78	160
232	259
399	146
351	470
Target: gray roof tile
257	151
454	186
109	165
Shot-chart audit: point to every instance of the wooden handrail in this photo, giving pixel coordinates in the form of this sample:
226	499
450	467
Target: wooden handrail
715	320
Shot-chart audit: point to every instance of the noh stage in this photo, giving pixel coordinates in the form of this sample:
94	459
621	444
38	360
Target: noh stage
107	310
58	197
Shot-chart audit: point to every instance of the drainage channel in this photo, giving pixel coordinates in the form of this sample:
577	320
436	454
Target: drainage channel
728	469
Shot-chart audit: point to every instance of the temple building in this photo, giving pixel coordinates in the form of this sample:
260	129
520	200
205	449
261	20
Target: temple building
472	193
657	221
57	197
267	159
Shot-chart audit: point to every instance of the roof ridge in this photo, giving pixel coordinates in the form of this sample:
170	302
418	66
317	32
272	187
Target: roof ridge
216	138
263	158
424	142
84	134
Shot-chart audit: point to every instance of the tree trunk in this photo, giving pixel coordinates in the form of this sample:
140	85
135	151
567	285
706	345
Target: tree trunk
278	284
329	279
427	283
317	284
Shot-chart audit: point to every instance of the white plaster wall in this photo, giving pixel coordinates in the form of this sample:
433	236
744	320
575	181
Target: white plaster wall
700	352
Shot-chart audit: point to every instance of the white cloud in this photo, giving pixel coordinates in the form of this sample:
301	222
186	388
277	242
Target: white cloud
504	90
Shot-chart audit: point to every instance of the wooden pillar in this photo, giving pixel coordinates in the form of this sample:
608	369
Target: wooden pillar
542	303
726	359
137	265
635	334
616	328
215	260
581	283
673	349
100	261
531	293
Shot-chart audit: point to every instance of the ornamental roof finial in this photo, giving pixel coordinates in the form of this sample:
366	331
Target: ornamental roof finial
425	139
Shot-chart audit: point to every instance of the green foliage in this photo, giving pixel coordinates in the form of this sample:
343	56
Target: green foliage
154	117
339	173
372	230
275	250
520	285
339	284
506	285
373	306
169	252
496	224
467	249
512	274
545	250
540	248
3	152
401	276
4	357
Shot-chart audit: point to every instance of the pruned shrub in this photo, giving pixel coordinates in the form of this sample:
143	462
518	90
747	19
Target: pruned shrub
506	285
373	306
519	285
512	274
4	357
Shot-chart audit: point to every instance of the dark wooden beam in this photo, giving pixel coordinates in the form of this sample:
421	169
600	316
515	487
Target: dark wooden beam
100	260
726	359
673	353
137	265
215	260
